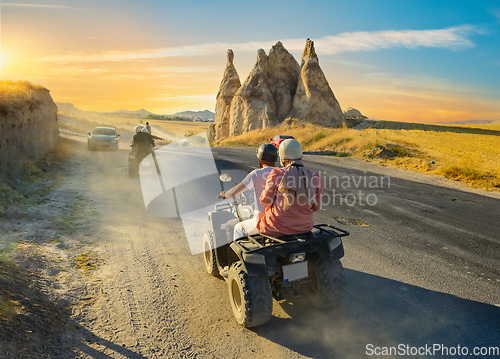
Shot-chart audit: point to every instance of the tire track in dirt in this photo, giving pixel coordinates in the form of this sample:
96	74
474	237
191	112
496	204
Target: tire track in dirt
163	314
145	308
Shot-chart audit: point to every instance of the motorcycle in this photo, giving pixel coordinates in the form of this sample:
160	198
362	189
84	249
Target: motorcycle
134	160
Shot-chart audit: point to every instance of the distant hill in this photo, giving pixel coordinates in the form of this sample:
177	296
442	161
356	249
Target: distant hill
206	114
70	109
467	122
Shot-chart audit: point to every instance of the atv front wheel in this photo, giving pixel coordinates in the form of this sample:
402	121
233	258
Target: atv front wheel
251	297
326	286
209	254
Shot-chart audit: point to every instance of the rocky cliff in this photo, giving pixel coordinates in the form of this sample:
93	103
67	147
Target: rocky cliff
28	127
276	88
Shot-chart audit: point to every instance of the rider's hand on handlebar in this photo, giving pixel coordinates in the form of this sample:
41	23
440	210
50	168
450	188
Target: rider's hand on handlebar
222	194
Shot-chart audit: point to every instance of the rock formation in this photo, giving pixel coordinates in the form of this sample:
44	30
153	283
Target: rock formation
253	104
211	133
229	85
353	113
283	75
314	100
276	88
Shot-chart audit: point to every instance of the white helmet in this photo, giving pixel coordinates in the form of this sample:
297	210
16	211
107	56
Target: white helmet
290	149
144	129
137	129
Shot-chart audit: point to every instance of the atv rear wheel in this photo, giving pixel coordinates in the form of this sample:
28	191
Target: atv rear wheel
251	297
327	285
209	254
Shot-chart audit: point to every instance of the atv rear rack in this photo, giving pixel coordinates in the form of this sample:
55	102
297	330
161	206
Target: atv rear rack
259	239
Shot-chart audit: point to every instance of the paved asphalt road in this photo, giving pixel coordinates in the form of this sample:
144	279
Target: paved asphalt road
422	261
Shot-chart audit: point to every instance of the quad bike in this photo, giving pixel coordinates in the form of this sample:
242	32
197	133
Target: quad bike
260	267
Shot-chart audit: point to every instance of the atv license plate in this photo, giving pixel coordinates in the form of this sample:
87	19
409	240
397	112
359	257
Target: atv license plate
294	271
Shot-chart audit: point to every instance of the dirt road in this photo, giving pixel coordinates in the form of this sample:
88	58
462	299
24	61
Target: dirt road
412	277
151	298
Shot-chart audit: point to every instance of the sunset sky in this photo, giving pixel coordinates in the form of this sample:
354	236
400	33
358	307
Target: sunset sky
413	60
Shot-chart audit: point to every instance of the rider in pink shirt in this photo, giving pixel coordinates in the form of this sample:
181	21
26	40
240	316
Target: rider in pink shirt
291	195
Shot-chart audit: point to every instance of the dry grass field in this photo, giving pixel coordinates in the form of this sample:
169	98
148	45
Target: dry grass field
467	157
181	128
17	89
14	94
488	126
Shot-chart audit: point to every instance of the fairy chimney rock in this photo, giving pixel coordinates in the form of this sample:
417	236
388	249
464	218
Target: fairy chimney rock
253	105
262	62
314	100
276	88
309	53
283	75
229	86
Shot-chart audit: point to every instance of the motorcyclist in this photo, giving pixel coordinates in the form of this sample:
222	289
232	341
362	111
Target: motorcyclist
142	143
291	195
267	155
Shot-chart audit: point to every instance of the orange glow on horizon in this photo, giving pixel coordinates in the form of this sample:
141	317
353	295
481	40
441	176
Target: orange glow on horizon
169	85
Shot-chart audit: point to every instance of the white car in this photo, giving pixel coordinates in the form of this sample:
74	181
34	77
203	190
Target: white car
103	138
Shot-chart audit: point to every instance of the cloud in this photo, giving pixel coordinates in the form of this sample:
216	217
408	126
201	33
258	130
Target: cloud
424	89
453	38
181	70
9	4
496	13
168	97
178	87
78	70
